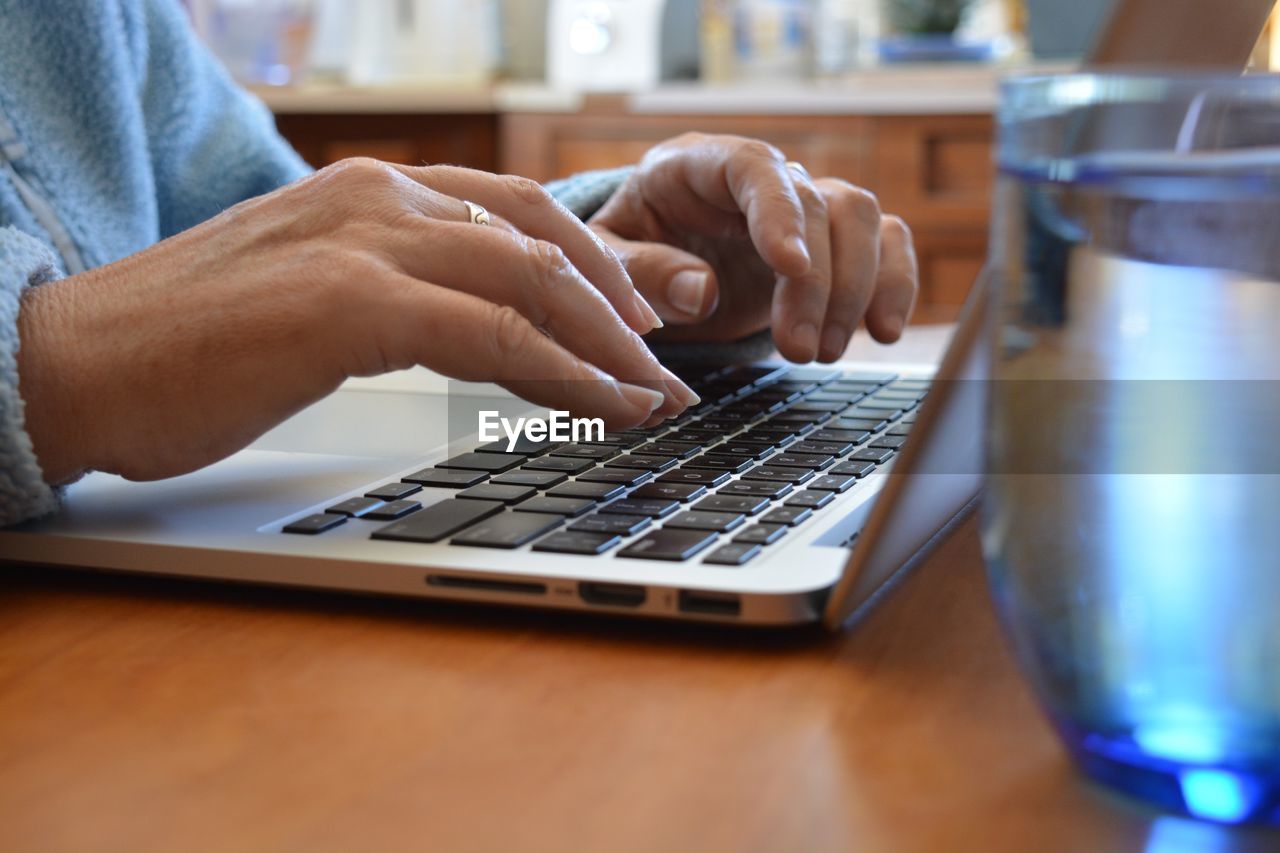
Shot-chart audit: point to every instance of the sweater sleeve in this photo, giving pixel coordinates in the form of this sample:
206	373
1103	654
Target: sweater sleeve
24	262
212	144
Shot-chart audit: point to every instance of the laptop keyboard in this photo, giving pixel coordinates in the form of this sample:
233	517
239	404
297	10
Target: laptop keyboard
767	449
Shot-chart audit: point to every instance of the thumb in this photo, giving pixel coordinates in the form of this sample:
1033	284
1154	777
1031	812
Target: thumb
680	286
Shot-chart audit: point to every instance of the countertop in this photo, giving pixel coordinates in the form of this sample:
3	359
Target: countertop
933	89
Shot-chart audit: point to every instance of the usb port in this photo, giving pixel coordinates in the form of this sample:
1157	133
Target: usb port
711	603
612	594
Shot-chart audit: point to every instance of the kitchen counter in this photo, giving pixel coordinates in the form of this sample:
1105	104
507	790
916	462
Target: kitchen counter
905	90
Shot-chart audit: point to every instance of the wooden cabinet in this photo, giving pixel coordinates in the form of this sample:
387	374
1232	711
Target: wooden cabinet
933	170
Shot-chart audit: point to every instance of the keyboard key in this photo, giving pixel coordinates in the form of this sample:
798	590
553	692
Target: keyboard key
900	428
854	469
438	521
617	476
755	488
889	407
507	530
560	464
811	404
889	442
623	525
763	534
834	483
596	452
503	494
870	454
913	384
733	554
789	515
491	463
644	463
714	462
524	446
815	374
747	505
810	498
669	544
671	491
313	524
701	437
444	478
393	510
625	440
851	436
594	491
393	491
794	476
525	477
802	460
821	448
865	413
556	506
678	449
755	451
721	522
652	507
859	424
869	377
574	542
693	475
907	398
355	507
791	417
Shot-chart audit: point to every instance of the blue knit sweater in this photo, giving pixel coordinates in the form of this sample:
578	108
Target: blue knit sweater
117	129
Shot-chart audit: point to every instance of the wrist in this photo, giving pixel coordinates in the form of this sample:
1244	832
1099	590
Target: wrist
47	379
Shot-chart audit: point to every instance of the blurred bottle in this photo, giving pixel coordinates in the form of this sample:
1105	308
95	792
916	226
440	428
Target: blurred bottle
454	42
844	34
717	41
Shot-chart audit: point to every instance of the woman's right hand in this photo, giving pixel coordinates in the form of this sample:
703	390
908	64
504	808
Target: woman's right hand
184	353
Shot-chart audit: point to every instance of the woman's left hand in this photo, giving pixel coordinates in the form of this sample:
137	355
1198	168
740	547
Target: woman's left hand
725	238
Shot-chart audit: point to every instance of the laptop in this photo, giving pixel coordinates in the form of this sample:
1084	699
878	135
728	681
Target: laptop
791	495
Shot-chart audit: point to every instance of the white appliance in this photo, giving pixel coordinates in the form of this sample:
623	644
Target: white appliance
620	45
433	42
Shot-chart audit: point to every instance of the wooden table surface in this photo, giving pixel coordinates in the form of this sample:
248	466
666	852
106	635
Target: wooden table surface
152	714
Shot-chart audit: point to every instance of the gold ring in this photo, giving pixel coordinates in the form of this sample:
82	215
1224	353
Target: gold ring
479	215
798	168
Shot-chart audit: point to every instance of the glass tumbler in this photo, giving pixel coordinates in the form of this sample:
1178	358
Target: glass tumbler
1131	524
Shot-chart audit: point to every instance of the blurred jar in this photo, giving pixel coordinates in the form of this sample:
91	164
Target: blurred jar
423	41
844	35
773	39
259	41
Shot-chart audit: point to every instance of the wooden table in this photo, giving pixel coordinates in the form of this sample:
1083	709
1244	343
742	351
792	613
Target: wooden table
152	714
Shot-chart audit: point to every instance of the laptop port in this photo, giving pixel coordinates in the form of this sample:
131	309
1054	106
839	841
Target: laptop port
612	594
710	603
486	584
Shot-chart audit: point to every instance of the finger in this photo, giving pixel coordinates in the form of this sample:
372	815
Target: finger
800	302
468	338
855	257
537	279
897	282
531	209
679	285
755	180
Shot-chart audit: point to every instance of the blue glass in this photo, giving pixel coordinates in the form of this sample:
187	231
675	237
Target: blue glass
1131	523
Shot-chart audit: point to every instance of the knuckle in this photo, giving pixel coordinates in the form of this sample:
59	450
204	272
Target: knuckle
897	226
527	191
860	203
758	148
510	335
362	170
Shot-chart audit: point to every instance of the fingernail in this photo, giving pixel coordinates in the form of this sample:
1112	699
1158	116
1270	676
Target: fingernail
796	246
899	322
682	391
805	335
834	341
641	398
646	310
686	292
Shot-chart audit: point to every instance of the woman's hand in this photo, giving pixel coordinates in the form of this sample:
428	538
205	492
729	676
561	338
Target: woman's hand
184	353
725	238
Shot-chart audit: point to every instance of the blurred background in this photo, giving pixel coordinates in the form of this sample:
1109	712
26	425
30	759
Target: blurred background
895	95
